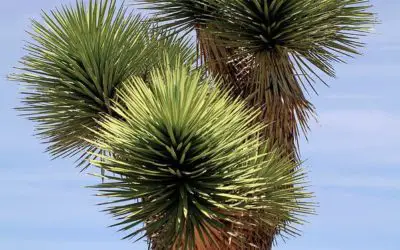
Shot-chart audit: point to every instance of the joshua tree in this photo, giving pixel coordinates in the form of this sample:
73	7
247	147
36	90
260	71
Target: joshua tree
269	52
194	155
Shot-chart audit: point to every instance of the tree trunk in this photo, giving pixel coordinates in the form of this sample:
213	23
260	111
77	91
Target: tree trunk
280	111
258	83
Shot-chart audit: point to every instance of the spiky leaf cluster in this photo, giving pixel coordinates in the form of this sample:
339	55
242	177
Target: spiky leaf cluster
79	57
183	15
186	159
314	32
271	51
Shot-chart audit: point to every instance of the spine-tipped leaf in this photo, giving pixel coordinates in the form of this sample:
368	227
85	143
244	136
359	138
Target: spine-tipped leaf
189	164
79	57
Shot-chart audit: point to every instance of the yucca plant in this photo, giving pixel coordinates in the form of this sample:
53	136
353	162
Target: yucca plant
79	57
82	56
191	158
270	52
190	165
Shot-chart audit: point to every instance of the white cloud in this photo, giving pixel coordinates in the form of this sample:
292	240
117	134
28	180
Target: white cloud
364	71
50	174
361	121
351	97
364	135
393	47
361	181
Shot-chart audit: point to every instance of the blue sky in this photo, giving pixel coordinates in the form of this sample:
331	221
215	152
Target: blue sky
353	156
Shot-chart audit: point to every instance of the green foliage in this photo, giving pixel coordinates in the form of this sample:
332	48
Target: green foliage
272	51
185	160
314	33
79	58
183	15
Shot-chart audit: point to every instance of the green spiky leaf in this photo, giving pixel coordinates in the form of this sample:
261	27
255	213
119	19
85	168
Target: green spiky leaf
187	161
79	58
313	33
271	51
182	15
